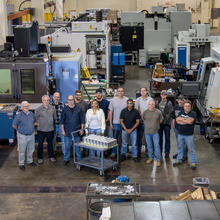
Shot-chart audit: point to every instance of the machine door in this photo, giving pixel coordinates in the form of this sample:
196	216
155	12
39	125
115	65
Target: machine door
32	81
8	83
182	52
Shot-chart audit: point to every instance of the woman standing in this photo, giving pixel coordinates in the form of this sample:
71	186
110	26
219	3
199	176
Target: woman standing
95	122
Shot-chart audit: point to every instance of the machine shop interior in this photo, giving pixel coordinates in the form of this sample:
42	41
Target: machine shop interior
169	47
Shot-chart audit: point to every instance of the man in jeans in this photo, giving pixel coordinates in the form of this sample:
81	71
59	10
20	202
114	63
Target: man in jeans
72	119
129	119
80	103
24	124
177	109
166	107
186	121
141	105
59	107
115	107
45	116
152	119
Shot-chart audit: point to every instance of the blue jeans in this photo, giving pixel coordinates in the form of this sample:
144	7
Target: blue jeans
116	133
125	138
189	141
153	141
98	132
185	150
166	130
140	133
67	144
56	132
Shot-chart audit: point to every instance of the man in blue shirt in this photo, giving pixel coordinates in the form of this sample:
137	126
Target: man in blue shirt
72	119
24	125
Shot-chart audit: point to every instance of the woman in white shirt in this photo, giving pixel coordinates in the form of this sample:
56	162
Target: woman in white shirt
95	122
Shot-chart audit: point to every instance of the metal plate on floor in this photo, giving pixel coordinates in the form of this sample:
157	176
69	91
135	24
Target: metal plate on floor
202	210
217	205
172	210
147	211
122	211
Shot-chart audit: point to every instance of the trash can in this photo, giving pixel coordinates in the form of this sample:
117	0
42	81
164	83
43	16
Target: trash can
95	209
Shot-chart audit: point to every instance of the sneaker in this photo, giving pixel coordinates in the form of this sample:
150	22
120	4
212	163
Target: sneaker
135	159
185	158
65	162
52	159
167	157
158	163
122	158
149	160
175	156
193	166
32	164
22	167
175	164
40	161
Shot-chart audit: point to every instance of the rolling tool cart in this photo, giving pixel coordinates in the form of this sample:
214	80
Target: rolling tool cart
100	144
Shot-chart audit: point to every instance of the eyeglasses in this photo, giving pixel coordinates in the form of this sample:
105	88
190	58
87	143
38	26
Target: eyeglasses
70	99
130	103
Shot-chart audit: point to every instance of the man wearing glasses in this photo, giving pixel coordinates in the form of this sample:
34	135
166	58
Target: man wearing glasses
72	119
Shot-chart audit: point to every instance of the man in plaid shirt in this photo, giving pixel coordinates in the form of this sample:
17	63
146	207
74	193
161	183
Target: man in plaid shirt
59	108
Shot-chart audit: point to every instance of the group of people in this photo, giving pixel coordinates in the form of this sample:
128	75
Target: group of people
128	120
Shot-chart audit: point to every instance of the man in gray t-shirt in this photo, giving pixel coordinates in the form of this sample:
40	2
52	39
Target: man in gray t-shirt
116	105
152	119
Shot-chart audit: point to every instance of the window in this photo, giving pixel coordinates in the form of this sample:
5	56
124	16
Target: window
5	82
27	82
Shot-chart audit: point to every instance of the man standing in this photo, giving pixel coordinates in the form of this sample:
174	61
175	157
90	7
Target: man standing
58	107
141	105
166	108
177	109
72	119
186	122
79	102
45	116
24	125
115	107
129	119
152	118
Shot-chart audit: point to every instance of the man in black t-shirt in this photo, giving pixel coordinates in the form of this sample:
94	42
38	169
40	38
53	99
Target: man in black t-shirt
177	109
129	120
186	121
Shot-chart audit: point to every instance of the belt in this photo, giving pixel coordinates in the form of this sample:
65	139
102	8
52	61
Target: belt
26	134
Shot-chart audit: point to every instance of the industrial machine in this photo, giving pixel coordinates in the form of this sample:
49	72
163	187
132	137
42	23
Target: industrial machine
194	44
208	103
66	69
7	114
23	79
92	39
152	32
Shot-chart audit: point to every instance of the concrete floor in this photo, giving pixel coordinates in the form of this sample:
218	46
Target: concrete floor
55	191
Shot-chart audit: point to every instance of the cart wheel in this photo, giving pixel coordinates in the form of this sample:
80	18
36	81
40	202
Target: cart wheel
211	140
101	173
78	167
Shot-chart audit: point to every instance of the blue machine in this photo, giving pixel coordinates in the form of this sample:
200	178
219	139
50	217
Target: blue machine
182	56
67	74
7	114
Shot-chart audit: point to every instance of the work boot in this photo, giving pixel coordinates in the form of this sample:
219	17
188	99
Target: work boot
158	163
149	161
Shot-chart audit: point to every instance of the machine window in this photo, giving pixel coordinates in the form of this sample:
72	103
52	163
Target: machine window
5	82
27	82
